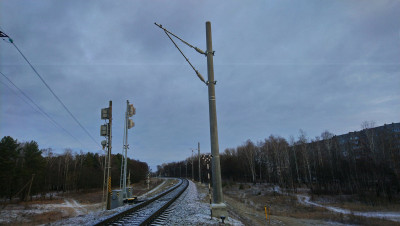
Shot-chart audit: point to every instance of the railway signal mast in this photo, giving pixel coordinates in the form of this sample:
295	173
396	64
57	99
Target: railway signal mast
106	131
130	111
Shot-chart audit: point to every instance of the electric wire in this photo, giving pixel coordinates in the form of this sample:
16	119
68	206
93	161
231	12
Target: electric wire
40	112
38	107
30	104
48	87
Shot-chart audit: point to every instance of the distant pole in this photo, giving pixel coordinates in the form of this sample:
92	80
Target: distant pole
129	178
148	181
218	199
198	149
104	181
192	167
124	195
109	158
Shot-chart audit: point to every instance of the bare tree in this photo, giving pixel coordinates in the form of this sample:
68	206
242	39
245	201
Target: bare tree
292	144
303	147
249	152
264	148
259	158
67	158
367	127
318	148
327	139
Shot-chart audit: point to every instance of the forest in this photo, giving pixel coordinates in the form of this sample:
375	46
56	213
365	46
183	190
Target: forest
366	162
26	170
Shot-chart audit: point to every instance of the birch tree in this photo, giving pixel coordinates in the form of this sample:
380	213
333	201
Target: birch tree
248	151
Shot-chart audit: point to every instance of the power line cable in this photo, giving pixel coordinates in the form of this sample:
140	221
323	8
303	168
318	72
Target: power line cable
38	107
59	100
2	34
30	104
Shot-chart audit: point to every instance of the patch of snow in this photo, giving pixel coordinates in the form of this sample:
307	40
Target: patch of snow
277	189
68	204
393	216
92	217
22	213
9	215
98	216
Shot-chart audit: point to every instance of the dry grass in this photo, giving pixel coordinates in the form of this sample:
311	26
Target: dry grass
94	195
90	199
255	197
46	217
87	197
44	201
352	203
321	214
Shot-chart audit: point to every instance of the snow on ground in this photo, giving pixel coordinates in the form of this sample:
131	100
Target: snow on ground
68	203
9	215
82	214
91	218
393	216
189	210
23	212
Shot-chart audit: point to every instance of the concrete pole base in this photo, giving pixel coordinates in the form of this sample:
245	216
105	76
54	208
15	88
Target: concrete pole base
218	210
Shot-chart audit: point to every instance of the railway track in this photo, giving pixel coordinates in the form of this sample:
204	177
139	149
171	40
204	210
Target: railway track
144	213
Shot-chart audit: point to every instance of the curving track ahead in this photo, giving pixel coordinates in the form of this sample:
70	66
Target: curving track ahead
145	212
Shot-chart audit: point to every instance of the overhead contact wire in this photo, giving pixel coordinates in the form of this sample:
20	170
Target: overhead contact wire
40	109
59	100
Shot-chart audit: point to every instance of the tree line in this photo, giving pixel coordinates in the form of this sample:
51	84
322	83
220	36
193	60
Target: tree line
27	170
365	162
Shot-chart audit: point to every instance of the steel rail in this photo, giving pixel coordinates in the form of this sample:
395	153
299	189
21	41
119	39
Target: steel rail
154	216
140	206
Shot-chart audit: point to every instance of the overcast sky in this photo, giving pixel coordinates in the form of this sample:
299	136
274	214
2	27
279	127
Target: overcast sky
281	66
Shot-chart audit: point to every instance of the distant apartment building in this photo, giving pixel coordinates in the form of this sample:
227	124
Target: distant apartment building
377	142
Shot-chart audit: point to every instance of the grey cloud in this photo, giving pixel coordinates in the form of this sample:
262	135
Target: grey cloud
280	66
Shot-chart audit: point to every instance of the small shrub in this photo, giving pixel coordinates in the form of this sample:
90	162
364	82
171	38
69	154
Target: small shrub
241	187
